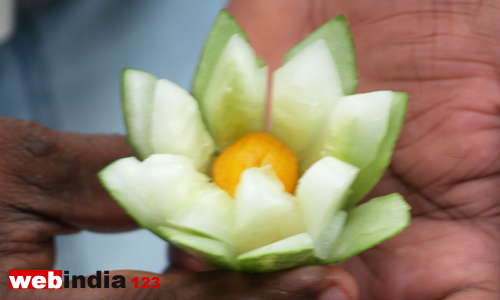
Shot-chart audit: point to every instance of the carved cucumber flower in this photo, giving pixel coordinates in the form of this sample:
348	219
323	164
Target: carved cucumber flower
210	180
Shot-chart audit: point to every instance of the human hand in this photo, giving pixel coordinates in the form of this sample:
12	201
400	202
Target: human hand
446	55
48	186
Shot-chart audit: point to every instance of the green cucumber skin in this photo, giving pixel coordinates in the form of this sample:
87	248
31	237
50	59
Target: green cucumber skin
275	262
353	131
337	34
223	29
389	215
222	255
370	175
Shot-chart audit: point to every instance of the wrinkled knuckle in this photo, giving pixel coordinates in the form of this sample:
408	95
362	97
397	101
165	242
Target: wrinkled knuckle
31	157
24	140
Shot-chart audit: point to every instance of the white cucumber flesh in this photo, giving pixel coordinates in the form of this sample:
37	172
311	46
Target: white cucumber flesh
156	189
370	224
291	252
137	103
325	242
304	90
321	193
177	125
337	35
354	130
371	174
211	214
167	190
234	103
265	213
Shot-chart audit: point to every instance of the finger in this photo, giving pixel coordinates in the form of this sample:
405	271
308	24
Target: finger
181	262
302	283
52	175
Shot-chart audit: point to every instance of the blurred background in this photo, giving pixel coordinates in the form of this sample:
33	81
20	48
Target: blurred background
60	64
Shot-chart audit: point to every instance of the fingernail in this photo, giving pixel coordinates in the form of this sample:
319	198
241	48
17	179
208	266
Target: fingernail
334	293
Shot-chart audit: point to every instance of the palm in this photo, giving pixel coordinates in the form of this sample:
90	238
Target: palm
447	161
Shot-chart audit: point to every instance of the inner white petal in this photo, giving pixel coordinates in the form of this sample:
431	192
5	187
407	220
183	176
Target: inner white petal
265	213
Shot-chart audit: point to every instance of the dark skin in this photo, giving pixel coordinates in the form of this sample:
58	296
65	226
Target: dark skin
445	54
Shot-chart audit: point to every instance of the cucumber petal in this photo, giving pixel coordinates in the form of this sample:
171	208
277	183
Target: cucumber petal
137	104
224	28
177	125
321	193
265	213
216	253
354	130
325	243
304	90
370	224
337	35
291	252
235	100
211	214
154	190
371	174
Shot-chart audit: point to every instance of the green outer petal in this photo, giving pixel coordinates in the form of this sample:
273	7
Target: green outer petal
213	252
234	103
137	104
295	251
223	29
353	131
370	224
370	175
337	34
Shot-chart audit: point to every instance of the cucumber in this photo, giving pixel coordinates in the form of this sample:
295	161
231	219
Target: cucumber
370	224
337	35
354	130
295	251
234	103
216	253
304	90
177	126
265	213
161	117
155	190
325	242
371	174
211	214
224	28
322	191
137	105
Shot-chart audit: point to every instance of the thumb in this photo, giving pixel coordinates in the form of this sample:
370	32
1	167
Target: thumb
52	174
